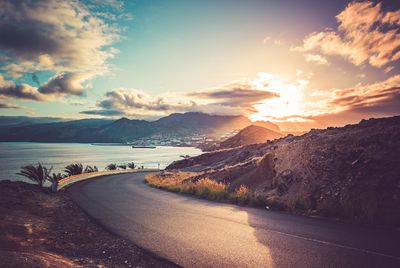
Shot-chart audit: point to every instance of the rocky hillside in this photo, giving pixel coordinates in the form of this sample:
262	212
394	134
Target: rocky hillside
249	135
350	172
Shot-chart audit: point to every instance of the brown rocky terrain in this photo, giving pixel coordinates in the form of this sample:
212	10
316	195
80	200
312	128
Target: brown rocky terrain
43	229
352	172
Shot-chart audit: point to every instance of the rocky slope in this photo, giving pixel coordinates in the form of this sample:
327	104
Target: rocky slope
249	135
351	172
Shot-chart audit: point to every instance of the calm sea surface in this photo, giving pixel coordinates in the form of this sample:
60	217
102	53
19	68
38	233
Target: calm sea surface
14	155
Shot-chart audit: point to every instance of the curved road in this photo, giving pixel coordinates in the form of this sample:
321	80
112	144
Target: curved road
198	233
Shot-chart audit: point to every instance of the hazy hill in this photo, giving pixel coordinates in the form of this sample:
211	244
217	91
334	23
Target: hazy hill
349	172
123	130
200	123
268	125
249	135
26	120
70	131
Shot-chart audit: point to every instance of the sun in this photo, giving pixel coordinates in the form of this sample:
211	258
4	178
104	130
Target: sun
289	102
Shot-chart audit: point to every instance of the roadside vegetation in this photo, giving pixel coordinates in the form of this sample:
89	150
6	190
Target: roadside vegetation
112	167
74	169
41	175
205	188
36	173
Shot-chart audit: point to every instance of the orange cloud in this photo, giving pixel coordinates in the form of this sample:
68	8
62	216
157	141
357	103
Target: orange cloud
365	34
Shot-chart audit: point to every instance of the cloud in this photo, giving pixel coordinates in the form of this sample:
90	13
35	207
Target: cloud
103	112
237	97
22	91
365	33
6	104
388	69
266	39
66	83
337	107
61	37
242	93
133	102
372	95
269	39
316	58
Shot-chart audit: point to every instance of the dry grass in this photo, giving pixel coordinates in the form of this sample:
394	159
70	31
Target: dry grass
206	188
242	194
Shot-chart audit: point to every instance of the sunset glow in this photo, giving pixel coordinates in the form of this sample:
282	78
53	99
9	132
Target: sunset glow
312	62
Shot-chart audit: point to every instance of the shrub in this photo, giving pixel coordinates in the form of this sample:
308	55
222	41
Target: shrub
241	194
205	188
123	166
90	169
258	200
210	189
38	173
74	169
111	167
131	165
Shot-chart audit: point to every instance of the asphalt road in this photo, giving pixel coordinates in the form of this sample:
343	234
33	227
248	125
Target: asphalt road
198	233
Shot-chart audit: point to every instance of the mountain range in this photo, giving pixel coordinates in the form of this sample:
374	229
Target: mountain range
121	130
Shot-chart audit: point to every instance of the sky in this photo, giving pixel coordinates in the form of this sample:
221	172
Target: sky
301	64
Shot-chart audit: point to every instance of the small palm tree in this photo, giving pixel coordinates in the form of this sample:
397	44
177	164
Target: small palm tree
131	165
90	169
123	166
111	167
56	177
38	174
73	169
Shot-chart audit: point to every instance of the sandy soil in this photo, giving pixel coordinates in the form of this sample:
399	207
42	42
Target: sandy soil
42	229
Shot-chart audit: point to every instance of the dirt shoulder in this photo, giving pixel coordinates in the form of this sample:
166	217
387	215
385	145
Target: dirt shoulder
42	229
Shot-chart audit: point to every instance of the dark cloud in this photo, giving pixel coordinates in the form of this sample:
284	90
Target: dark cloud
68	83
61	37
103	112
235	94
28	39
23	91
